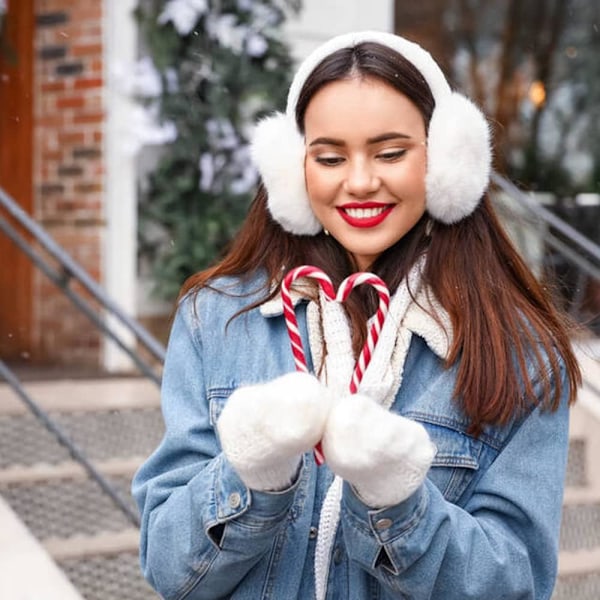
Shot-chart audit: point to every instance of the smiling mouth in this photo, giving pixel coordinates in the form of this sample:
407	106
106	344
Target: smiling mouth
365	216
364	213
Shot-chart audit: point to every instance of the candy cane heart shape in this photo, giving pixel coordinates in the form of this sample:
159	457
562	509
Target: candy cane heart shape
343	292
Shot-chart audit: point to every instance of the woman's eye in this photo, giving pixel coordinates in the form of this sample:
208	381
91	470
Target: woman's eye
392	155
329	161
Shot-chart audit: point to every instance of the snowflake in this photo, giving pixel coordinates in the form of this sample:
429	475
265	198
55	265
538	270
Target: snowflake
183	14
143	129
223	29
256	45
140	79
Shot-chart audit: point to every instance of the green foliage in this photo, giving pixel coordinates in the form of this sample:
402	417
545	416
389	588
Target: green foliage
215	85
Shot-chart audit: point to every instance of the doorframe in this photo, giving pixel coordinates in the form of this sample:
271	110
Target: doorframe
16	177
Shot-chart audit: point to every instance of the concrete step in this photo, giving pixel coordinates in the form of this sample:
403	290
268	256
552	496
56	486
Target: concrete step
101	435
579	575
102	544
577	470
580	525
108	577
83	535
579	559
82	395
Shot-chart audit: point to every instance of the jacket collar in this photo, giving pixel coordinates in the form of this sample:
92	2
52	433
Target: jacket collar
418	319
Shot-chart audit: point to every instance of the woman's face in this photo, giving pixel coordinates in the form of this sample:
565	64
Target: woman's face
365	164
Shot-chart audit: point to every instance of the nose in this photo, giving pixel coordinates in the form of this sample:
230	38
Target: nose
361	179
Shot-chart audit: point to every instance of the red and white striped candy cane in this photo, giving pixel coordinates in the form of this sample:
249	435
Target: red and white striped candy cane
366	353
343	292
292	322
288	308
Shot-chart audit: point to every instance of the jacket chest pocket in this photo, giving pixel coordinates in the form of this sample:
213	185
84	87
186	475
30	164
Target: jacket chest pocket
216	402
217	398
456	461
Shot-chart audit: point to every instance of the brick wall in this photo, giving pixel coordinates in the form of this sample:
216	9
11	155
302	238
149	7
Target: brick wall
68	165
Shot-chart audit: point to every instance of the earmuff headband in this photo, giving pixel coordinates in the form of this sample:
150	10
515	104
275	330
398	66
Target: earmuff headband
458	143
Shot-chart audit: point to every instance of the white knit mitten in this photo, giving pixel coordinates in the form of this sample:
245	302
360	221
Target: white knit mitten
384	456
264	429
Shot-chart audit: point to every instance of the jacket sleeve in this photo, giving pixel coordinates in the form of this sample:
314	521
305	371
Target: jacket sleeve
503	543
202	530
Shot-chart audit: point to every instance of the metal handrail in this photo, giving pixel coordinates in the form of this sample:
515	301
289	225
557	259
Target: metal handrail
73	449
70	269
587	245
574	247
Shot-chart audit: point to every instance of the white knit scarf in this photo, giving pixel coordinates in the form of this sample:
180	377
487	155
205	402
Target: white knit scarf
381	381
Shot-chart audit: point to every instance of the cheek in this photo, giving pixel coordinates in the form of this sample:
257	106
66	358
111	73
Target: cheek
317	182
412	179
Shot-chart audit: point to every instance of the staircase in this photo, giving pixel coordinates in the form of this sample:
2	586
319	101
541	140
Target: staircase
579	561
117	422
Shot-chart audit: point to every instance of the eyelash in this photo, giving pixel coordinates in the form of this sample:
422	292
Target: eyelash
392	155
327	161
333	161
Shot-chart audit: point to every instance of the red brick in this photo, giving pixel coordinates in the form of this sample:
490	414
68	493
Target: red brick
88	118
54	121
86	50
53	86
92	82
70	102
70	138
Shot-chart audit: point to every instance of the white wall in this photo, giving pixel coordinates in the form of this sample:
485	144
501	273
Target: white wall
322	19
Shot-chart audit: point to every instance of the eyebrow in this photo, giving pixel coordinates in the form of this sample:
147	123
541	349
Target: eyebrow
384	137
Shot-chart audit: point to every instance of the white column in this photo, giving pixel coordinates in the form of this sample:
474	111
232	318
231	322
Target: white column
120	200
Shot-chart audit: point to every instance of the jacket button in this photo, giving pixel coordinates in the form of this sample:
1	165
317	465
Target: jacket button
338	555
383	524
312	533
235	500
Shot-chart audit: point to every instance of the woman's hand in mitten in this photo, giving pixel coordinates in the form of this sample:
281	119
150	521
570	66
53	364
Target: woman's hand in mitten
264	429
384	456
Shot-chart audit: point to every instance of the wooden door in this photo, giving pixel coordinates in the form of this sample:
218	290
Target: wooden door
16	131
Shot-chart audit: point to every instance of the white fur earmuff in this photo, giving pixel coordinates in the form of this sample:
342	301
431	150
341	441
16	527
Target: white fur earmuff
282	172
459	152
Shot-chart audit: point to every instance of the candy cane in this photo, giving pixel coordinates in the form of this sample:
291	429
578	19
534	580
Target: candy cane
366	353
289	313
343	292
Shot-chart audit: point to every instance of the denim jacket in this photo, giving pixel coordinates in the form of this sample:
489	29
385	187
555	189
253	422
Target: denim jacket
485	523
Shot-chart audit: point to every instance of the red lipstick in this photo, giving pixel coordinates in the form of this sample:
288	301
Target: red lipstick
365	214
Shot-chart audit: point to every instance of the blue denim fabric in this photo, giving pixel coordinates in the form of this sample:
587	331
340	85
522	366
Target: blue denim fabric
484	525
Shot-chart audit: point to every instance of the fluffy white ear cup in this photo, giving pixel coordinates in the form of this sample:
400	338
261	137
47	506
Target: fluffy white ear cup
458	159
278	152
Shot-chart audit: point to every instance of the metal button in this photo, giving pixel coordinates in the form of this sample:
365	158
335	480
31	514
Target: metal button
338	555
235	500
383	524
312	533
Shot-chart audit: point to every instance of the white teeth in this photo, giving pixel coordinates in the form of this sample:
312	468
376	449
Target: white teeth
364	213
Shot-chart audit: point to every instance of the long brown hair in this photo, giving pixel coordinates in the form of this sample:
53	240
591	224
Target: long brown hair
502	318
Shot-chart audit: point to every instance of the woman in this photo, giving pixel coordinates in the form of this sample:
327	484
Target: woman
443	475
